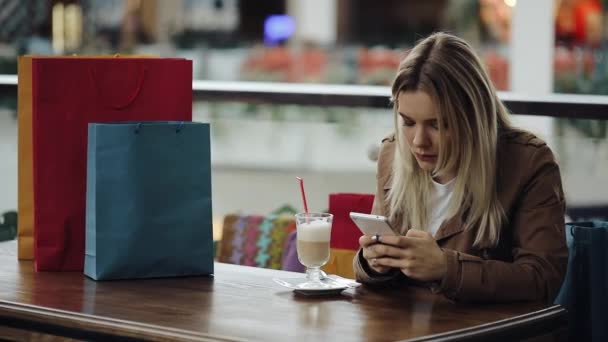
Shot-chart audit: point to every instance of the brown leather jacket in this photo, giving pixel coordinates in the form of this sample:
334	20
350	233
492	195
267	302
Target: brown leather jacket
530	260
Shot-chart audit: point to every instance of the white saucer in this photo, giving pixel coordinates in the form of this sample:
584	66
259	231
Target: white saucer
334	285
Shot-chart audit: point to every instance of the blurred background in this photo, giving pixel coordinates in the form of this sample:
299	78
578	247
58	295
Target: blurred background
532	47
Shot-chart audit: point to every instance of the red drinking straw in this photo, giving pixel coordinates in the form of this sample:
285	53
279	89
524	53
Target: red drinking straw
303	194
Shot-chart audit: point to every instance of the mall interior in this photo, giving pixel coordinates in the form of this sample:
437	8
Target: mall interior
301	88
322	42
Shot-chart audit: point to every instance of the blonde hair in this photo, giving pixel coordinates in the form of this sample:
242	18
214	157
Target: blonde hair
446	68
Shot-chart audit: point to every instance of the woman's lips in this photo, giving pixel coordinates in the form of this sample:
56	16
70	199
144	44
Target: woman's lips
426	157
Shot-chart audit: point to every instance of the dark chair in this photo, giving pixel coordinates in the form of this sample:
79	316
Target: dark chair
8	226
584	292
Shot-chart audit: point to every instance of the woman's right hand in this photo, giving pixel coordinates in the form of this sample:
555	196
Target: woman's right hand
370	255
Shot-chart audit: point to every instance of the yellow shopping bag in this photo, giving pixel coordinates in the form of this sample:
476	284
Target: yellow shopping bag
25	182
341	263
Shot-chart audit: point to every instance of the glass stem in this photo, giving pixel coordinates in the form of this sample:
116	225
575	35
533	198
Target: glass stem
313	274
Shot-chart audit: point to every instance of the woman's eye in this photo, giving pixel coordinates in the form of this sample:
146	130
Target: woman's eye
408	123
435	125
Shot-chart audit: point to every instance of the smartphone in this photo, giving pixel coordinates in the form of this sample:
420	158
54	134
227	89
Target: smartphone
372	224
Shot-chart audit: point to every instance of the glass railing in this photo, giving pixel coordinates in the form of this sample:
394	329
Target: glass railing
266	134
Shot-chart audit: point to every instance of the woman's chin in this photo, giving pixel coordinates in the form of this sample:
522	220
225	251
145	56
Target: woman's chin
426	166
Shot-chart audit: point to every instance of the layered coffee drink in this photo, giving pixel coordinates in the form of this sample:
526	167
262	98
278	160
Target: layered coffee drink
313	243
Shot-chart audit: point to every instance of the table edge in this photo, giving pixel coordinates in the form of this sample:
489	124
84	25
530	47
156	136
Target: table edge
532	324
91	327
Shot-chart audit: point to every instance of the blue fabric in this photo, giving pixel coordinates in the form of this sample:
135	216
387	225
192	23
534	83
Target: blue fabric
585	287
148	210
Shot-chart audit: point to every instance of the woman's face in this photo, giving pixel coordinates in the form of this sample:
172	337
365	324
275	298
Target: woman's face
418	117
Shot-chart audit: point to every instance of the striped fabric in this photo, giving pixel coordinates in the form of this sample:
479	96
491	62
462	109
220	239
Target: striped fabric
254	240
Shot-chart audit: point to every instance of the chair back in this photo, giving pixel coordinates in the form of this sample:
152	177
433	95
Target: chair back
584	290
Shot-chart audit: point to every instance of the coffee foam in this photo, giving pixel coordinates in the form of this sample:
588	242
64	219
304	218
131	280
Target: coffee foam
319	231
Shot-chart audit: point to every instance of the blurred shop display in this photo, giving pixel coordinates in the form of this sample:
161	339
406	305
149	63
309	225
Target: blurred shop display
359	65
22	20
377	65
21	30
581	70
66	27
579	22
495	16
580	54
237	40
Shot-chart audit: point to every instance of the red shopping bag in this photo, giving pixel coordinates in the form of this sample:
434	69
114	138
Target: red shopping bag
69	93
344	232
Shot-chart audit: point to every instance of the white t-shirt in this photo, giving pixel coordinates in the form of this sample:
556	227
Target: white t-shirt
440	202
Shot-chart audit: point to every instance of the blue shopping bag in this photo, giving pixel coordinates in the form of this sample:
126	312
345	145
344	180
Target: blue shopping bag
584	290
148	210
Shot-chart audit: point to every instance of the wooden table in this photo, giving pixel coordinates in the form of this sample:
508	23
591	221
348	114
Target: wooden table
242	303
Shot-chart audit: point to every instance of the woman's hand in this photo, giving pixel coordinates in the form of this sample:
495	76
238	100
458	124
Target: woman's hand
416	254
370	254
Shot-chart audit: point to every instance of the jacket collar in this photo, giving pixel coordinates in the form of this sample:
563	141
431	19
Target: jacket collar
450	227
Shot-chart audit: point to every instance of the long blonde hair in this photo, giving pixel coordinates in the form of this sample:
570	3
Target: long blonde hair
447	69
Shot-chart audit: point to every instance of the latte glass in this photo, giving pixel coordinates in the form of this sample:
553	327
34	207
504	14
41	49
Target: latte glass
313	236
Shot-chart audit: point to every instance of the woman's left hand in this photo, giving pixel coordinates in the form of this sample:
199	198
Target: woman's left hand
416	254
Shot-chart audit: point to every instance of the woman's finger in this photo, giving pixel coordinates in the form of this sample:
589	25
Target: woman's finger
409	254
386	262
394	240
366	240
383	250
369	253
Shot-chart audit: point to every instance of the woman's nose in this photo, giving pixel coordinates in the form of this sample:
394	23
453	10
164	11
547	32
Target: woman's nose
420	137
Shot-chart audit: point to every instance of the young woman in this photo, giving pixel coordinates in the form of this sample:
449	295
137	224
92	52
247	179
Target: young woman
478	204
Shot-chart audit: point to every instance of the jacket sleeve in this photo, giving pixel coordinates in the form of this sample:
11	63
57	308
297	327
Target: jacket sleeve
364	273
538	244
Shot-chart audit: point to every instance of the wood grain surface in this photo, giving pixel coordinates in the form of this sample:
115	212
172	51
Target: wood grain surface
243	303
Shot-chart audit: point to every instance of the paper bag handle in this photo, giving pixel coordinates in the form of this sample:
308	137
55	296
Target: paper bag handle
130	99
180	125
